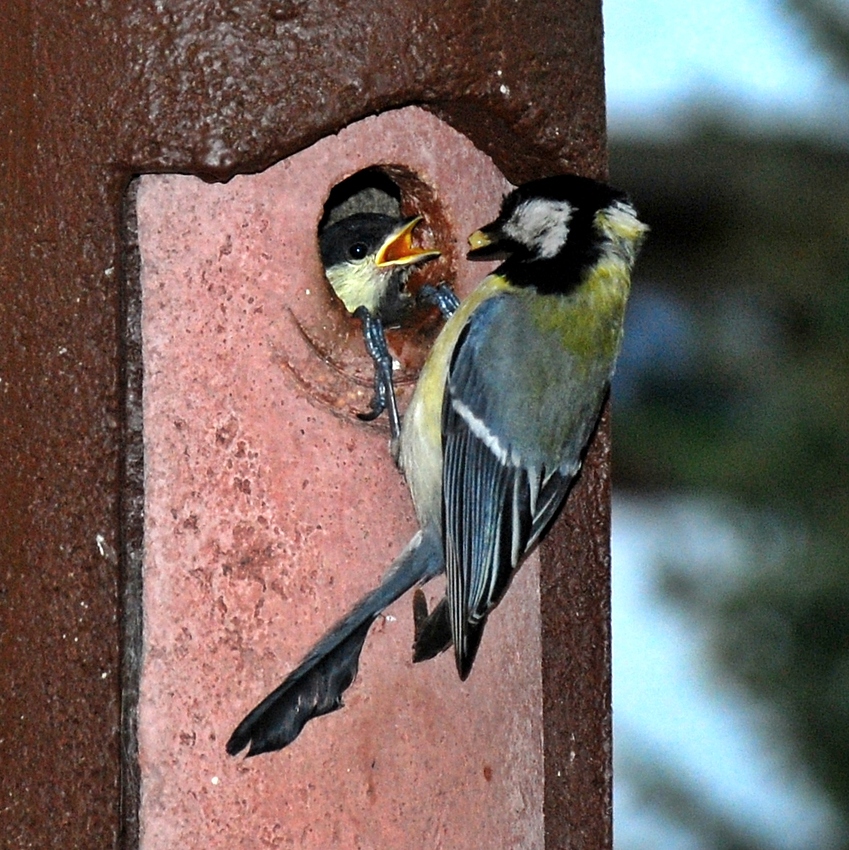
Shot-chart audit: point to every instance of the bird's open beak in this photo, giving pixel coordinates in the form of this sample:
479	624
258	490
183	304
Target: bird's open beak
398	249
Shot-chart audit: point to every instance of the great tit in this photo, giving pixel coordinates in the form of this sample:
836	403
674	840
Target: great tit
495	433
367	259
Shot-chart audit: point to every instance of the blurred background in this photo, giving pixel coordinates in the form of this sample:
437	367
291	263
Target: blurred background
729	126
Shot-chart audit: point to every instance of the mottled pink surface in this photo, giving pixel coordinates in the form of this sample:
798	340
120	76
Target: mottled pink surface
270	509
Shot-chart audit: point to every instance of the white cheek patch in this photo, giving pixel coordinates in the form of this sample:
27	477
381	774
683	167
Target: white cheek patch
542	225
623	229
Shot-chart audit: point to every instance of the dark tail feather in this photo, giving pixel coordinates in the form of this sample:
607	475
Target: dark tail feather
433	635
433	631
465	660
316	686
313	689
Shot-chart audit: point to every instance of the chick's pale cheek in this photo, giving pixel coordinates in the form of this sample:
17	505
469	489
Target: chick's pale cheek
358	285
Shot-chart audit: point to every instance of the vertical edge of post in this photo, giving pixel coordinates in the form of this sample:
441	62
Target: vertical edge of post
131	551
576	662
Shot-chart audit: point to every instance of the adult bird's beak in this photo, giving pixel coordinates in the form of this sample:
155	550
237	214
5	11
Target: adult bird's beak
479	239
398	249
488	244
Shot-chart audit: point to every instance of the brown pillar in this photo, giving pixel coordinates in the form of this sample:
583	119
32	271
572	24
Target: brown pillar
95	94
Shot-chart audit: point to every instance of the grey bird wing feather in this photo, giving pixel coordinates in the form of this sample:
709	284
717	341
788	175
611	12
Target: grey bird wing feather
316	686
500	491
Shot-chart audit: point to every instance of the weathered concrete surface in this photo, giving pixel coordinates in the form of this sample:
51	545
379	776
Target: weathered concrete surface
269	509
96	93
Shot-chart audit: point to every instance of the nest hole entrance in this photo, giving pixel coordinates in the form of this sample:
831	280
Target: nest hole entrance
367	191
398	191
395	190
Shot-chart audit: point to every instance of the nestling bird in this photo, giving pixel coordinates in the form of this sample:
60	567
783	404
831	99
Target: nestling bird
495	433
367	259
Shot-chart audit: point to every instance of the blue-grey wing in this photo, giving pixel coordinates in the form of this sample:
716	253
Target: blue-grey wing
498	495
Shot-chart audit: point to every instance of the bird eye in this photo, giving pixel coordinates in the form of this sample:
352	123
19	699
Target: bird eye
358	251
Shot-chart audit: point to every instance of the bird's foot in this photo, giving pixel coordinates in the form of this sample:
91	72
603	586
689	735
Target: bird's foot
384	388
441	296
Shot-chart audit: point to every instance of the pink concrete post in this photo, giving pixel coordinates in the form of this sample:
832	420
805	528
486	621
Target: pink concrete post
269	509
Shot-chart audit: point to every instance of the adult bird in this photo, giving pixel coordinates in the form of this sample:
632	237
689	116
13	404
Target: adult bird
495	433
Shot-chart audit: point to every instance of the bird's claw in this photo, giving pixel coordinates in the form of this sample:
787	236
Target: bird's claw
384	389
441	296
378	401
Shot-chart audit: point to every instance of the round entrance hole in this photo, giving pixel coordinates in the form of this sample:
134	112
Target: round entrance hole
396	191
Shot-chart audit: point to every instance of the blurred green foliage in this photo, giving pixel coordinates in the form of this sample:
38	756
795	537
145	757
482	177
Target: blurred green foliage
738	387
827	22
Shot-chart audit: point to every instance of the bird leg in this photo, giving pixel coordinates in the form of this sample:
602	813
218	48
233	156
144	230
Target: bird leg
441	296
384	389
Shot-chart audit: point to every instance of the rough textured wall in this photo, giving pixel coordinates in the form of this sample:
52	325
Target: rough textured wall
97	91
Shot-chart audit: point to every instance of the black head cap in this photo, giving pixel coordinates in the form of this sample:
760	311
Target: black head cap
354	238
546	230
